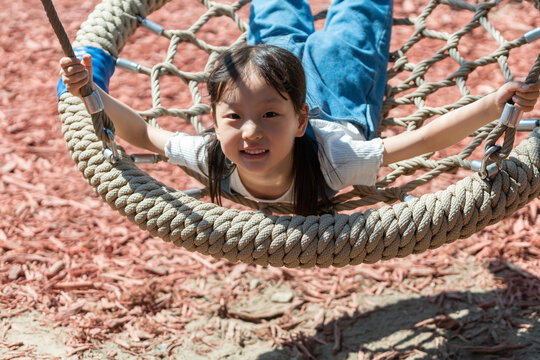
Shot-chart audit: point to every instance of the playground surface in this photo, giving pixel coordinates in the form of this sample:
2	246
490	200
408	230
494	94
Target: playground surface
79	281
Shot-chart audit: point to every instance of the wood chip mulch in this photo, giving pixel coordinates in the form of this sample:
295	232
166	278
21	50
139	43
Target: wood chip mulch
68	256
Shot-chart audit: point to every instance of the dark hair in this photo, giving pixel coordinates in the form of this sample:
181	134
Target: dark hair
282	70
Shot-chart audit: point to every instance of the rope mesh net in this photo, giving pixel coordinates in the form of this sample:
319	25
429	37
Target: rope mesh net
333	239
413	90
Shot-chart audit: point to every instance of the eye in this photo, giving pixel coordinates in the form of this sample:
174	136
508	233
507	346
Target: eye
233	116
270	114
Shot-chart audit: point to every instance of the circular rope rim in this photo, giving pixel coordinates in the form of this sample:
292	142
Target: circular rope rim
292	241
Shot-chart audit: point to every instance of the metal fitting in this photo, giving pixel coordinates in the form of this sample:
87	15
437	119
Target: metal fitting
532	35
108	154
264	210
110	151
144	158
489	171
194	193
510	116
528	124
408	198
482	167
128	65
93	103
150	25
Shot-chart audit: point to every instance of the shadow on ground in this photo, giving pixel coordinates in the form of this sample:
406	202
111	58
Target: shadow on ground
499	324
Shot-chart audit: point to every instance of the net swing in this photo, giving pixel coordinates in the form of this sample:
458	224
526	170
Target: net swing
499	184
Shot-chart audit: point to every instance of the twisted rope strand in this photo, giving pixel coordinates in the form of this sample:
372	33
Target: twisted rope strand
295	241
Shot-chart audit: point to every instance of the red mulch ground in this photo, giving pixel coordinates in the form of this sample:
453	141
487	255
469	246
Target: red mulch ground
73	268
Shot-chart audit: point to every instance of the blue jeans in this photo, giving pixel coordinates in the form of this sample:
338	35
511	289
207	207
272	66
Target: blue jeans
345	63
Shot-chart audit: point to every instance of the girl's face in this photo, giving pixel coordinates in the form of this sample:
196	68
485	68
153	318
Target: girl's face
256	127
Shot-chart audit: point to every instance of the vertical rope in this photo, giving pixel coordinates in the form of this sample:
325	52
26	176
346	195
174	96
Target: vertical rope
100	120
509	133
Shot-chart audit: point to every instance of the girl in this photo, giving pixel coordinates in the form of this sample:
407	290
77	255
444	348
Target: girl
285	135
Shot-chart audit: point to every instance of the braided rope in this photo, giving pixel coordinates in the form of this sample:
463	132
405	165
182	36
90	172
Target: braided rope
295	241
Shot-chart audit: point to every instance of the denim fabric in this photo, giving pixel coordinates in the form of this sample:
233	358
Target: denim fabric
345	63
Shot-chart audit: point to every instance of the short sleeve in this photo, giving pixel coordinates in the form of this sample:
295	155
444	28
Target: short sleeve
346	158
187	150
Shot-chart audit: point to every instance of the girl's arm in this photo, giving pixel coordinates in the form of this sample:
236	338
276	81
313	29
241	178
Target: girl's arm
129	125
454	126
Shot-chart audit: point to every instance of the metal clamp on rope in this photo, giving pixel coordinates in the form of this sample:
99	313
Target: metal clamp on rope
532	35
510	116
528	124
482	167
408	198
93	103
144	158
150	25
128	65
110	151
194	193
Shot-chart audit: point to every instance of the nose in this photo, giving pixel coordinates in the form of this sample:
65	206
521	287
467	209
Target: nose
251	131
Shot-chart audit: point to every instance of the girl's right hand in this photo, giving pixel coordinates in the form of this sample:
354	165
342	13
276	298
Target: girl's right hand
75	73
524	96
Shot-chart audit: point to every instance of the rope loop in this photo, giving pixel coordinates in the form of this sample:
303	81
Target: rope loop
411	225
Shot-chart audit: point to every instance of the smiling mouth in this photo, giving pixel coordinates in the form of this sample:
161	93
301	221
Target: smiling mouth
254	152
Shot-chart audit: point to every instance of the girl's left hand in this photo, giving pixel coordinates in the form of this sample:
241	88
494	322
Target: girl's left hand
523	95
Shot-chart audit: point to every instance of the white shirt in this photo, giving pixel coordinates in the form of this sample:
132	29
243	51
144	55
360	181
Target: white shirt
345	156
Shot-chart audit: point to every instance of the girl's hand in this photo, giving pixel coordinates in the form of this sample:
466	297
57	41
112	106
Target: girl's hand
75	73
523	95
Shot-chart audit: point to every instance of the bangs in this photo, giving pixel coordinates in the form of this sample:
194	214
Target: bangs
278	67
